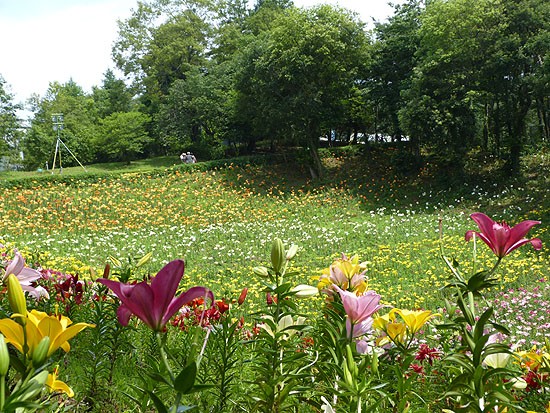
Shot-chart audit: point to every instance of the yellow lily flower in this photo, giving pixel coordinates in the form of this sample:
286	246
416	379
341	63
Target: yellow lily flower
57	385
534	358
39	325
381	322
395	332
346	273
415	320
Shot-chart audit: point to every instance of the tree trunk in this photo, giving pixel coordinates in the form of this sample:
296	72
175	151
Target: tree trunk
485	143
517	129
316	166
543	120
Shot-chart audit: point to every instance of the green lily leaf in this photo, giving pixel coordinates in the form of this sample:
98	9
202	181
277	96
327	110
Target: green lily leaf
185	380
159	405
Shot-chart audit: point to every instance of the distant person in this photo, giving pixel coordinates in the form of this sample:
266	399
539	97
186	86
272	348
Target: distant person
188	157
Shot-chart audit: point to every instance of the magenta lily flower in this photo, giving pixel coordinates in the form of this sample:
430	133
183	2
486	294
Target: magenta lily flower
359	309
155	303
25	275
500	237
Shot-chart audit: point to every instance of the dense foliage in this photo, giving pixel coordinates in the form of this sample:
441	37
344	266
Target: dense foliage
219	77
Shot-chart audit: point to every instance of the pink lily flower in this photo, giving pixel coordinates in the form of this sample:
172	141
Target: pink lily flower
155	303
25	275
500	237
359	310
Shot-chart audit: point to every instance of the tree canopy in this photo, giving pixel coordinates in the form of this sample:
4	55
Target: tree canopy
222	76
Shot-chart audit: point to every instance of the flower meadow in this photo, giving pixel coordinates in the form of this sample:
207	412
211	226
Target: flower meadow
237	290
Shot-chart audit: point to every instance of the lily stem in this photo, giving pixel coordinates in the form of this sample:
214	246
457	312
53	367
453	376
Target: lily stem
164	357
2	392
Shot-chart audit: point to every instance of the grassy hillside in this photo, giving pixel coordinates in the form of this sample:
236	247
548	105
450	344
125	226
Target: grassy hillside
221	219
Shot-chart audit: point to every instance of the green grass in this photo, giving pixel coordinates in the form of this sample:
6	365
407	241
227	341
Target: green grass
222	220
143	165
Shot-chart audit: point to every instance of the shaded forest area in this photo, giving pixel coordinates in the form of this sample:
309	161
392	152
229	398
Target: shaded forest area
220	77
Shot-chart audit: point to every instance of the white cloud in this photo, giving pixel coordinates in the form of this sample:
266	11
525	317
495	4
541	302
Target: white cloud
71	43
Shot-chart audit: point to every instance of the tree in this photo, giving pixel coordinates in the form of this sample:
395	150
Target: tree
296	76
476	69
10	127
123	136
113	96
391	67
80	125
162	42
197	112
441	100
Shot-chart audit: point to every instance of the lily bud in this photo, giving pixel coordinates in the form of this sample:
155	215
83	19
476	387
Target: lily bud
4	357
305	291
242	297
144	260
291	252
277	255
261	271
352	366
269	299
107	271
115	261
16	298
40	353
347	376
374	363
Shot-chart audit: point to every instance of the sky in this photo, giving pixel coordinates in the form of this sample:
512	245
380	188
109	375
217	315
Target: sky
43	41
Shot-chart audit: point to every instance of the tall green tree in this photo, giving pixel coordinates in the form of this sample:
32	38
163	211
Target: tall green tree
197	112
296	76
10	126
162	42
474	80
123	136
440	110
523	48
113	96
136	34
391	67
80	127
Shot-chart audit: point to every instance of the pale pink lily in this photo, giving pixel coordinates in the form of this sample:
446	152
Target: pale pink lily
500	237
359	309
25	275
155	303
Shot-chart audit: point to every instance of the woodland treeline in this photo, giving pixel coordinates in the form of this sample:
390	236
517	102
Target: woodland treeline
221	77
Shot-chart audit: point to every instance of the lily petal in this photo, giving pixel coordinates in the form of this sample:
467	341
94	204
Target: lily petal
500	237
17	264
189	295
164	286
62	340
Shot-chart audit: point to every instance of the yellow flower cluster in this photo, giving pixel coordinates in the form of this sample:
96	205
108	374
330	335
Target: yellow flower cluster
400	326
346	273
